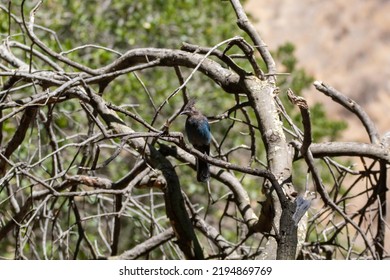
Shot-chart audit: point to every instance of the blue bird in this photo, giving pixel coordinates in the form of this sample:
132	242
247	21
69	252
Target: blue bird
199	135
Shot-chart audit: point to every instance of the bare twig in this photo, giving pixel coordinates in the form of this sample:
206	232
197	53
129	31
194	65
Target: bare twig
244	23
352	106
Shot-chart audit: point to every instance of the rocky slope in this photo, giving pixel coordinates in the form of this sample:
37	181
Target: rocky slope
343	43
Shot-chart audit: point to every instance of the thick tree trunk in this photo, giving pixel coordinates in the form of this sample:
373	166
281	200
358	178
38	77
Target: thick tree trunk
262	98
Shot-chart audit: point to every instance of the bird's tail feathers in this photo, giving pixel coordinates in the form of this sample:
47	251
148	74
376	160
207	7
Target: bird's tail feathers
203	171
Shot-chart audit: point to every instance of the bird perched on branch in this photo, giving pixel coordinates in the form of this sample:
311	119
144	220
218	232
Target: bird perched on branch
199	135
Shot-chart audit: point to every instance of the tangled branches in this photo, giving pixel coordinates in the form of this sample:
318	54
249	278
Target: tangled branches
86	175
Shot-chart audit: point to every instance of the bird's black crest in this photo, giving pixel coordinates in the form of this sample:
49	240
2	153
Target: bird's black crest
190	104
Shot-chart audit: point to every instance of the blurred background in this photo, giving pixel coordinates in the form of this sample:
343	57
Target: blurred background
342	43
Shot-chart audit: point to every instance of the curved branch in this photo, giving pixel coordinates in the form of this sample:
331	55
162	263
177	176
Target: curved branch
19	136
240	195
39	43
351	106
145	247
227	79
355	149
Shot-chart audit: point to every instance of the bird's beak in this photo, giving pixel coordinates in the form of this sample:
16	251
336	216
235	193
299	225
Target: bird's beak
185	112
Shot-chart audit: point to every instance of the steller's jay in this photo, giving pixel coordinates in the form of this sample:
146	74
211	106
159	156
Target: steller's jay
199	135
